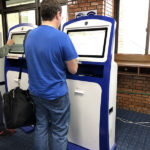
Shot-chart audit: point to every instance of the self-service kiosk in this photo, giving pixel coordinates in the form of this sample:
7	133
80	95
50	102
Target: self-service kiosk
92	90
16	58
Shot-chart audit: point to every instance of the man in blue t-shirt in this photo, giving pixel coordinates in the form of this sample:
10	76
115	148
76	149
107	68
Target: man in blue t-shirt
49	52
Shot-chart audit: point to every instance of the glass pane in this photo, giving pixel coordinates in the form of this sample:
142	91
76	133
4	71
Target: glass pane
28	17
1	32
132	26
11	3
12	19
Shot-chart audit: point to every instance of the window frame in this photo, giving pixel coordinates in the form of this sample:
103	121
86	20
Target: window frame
26	7
17	4
117	14
17	9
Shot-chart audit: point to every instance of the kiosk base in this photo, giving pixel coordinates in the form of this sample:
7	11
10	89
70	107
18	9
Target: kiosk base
85	99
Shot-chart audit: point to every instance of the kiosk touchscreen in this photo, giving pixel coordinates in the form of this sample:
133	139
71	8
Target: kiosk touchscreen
18	39
92	90
17	34
89	42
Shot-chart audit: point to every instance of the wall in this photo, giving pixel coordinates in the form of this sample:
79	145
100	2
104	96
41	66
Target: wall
103	7
133	93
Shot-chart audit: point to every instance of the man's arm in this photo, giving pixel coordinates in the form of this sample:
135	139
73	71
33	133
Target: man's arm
5	49
72	66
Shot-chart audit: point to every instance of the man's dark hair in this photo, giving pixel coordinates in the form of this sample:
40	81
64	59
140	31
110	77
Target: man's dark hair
49	9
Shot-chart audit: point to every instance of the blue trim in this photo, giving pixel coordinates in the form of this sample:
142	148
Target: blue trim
114	147
104	128
85	78
72	146
28	129
103	82
89	17
21	24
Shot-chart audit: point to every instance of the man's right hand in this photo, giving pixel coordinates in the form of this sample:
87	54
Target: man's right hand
72	66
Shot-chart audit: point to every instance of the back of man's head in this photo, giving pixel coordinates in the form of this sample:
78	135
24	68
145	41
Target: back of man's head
49	9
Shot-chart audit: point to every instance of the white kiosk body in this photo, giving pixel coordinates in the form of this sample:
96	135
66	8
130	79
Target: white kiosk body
93	89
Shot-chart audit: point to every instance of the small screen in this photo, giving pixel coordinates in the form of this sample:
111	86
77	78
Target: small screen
18	38
89	42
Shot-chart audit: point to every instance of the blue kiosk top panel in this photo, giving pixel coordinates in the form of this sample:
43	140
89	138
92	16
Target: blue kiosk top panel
92	37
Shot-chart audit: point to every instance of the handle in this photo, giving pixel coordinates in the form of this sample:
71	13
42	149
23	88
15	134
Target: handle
79	92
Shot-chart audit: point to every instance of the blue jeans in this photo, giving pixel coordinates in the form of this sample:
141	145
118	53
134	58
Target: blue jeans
52	123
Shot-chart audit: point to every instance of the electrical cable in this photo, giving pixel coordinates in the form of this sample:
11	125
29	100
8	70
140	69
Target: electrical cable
131	122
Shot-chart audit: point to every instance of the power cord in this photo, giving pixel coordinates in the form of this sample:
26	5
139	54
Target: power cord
131	122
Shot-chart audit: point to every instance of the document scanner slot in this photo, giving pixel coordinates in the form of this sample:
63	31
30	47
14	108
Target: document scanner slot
90	70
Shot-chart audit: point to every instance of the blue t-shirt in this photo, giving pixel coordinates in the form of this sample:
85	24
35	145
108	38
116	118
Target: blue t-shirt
46	50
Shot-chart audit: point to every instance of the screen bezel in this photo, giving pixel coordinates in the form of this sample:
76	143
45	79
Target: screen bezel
23	33
93	29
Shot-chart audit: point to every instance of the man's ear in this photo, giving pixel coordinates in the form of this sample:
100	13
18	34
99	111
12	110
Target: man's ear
58	15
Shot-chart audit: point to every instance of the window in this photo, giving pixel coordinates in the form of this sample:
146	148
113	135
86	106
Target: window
11	3
133	19
28	16
12	19
25	17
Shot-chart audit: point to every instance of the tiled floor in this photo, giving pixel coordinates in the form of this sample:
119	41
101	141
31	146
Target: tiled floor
128	136
18	141
131	136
